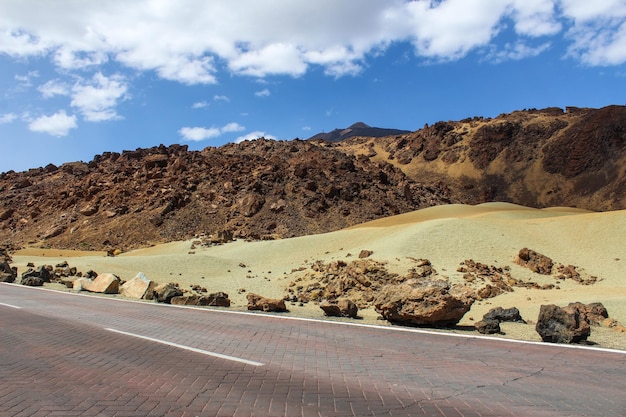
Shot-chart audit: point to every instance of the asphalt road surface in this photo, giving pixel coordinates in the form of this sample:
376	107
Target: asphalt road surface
69	355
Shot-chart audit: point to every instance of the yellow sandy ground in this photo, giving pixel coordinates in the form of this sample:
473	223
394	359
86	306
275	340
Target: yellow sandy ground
490	233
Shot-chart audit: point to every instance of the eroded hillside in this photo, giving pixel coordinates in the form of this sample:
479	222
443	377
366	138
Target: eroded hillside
537	158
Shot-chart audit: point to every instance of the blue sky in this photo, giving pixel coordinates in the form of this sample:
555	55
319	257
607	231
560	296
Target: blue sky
78	78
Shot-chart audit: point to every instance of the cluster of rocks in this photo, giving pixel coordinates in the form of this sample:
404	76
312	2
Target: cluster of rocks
569	324
417	298
359	280
544	265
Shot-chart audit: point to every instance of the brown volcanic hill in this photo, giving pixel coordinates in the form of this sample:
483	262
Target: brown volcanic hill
259	189
536	158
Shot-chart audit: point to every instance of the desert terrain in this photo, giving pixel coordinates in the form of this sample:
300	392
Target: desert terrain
445	235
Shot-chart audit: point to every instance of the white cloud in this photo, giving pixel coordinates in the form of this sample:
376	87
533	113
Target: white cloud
599	32
221	98
253	136
190	41
7	118
199	133
232	127
53	88
202	133
59	124
199	105
515	52
96	98
262	93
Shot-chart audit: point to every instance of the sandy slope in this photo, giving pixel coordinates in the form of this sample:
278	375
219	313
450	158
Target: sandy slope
446	235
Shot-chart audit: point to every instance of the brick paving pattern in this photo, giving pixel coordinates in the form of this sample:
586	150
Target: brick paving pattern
58	359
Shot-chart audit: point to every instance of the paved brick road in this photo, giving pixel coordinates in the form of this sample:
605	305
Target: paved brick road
57	358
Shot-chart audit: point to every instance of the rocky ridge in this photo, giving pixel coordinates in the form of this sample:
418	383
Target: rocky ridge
261	189
535	158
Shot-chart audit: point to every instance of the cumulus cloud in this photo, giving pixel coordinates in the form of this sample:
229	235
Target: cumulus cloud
253	136
598	35
202	133
221	98
97	98
262	93
191	41
58	124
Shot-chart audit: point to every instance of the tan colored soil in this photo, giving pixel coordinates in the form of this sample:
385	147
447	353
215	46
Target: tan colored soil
490	233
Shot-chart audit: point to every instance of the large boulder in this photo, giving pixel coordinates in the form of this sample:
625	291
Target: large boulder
421	303
257	302
561	325
103	284
164	293
137	287
342	307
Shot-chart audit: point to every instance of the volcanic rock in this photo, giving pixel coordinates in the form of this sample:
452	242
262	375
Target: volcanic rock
535	261
593	313
32	281
488	326
561	325
421	303
164	293
257	302
504	314
342	307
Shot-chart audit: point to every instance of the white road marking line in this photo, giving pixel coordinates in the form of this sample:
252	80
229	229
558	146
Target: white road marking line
189	348
9	305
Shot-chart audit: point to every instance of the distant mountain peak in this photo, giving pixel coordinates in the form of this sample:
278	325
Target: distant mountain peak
356	129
